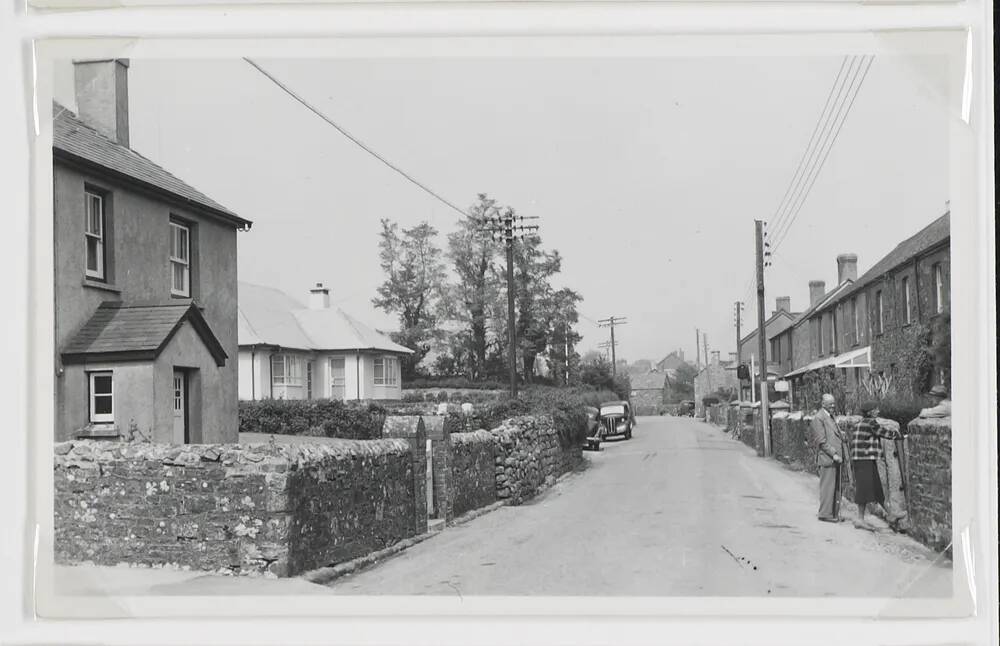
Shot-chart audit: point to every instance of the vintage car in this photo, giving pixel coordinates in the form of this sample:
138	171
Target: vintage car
686	409
616	419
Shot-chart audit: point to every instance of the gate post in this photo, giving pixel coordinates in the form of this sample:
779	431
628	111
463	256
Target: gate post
411	428
440	436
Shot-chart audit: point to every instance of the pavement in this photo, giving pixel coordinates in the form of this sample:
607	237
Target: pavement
681	509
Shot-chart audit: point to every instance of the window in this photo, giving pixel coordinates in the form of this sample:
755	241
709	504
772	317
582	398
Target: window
94	235
386	371
338	376
833	332
819	332
309	380
939	296
906	301
857	321
817	337
180	259
102	405
286	370
879	321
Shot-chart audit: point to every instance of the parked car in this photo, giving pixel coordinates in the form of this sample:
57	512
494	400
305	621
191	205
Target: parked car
686	409
617	419
593	441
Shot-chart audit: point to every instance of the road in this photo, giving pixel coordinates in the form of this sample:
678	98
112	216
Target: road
679	510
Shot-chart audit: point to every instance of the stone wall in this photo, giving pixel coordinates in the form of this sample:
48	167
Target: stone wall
928	462
249	509
528	456
473	472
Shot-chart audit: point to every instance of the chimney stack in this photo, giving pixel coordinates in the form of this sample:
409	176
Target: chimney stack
847	267
817	289
715	357
102	96
732	357
783	304
319	297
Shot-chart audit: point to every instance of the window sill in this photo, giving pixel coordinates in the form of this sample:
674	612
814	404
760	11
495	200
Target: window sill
97	431
96	284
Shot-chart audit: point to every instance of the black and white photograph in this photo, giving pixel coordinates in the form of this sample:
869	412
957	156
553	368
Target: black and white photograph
673	325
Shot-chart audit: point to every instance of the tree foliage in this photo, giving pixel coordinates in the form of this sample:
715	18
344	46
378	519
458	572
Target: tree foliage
414	270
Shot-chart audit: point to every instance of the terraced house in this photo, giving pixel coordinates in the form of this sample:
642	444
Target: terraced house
879	322
145	282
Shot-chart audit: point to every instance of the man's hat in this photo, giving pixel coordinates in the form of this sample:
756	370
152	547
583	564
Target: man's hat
938	391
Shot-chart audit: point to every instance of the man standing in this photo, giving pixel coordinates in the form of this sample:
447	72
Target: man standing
829	441
940	404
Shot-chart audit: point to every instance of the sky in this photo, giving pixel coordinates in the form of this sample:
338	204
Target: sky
646	174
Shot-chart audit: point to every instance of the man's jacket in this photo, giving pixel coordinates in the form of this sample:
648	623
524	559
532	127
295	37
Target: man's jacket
826	437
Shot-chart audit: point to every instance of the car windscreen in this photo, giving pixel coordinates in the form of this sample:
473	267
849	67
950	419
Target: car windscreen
617	409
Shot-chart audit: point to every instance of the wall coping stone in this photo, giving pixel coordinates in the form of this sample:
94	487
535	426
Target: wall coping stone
930	426
250	457
472	437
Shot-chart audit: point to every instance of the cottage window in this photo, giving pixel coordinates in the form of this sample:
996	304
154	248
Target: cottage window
286	370
833	333
180	259
856	319
938	289
338	375
94	235
879	320
906	300
386	371
102	405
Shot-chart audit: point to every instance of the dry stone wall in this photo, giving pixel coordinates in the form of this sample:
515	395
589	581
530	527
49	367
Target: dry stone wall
473	473
528	456
928	463
275	509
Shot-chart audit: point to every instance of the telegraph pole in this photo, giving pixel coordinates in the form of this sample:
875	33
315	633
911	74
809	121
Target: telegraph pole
739	312
611	322
509	227
762	338
708	372
697	349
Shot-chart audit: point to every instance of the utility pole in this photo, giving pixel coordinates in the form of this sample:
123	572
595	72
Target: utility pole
739	312
509	227
697	349
708	364
762	338
611	322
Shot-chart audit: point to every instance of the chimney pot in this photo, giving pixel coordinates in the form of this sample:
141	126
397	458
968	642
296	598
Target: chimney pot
817	289
102	96
319	297
847	267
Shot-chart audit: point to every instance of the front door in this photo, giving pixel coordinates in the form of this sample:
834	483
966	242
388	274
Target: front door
180	408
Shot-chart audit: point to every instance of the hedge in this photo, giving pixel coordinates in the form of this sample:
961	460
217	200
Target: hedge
454	382
313	417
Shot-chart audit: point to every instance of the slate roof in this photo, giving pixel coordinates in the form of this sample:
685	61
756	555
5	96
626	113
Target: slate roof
72	137
136	332
268	316
933	234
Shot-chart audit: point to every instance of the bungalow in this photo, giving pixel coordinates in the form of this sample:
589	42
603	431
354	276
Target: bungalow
145	282
289	351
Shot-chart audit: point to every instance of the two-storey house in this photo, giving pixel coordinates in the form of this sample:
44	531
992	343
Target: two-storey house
145	282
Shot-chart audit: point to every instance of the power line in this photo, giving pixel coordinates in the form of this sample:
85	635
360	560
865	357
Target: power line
354	139
796	176
780	237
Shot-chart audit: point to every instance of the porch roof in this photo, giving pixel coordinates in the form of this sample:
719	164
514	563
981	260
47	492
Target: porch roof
122	332
857	358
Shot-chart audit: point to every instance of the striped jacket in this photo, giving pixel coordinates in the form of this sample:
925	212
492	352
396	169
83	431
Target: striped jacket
866	440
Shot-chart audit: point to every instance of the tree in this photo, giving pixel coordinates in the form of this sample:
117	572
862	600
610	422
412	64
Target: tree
682	383
473	297
536	303
640	367
414	274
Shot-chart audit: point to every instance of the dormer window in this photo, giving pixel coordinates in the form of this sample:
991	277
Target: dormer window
180	259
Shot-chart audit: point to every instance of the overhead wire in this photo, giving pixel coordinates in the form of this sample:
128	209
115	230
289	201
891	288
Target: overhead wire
354	139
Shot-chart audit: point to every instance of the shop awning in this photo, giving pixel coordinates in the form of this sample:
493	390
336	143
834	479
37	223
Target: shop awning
859	358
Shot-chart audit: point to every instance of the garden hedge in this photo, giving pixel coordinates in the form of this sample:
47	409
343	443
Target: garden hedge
313	417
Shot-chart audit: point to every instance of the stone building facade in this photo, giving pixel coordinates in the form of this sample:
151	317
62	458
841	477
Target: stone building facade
715	376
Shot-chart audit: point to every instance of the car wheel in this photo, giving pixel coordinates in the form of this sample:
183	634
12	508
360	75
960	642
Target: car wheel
628	433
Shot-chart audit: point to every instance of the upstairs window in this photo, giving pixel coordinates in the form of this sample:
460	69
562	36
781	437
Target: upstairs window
102	398
856	319
386	371
180	259
94	235
939	296
906	301
879	320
